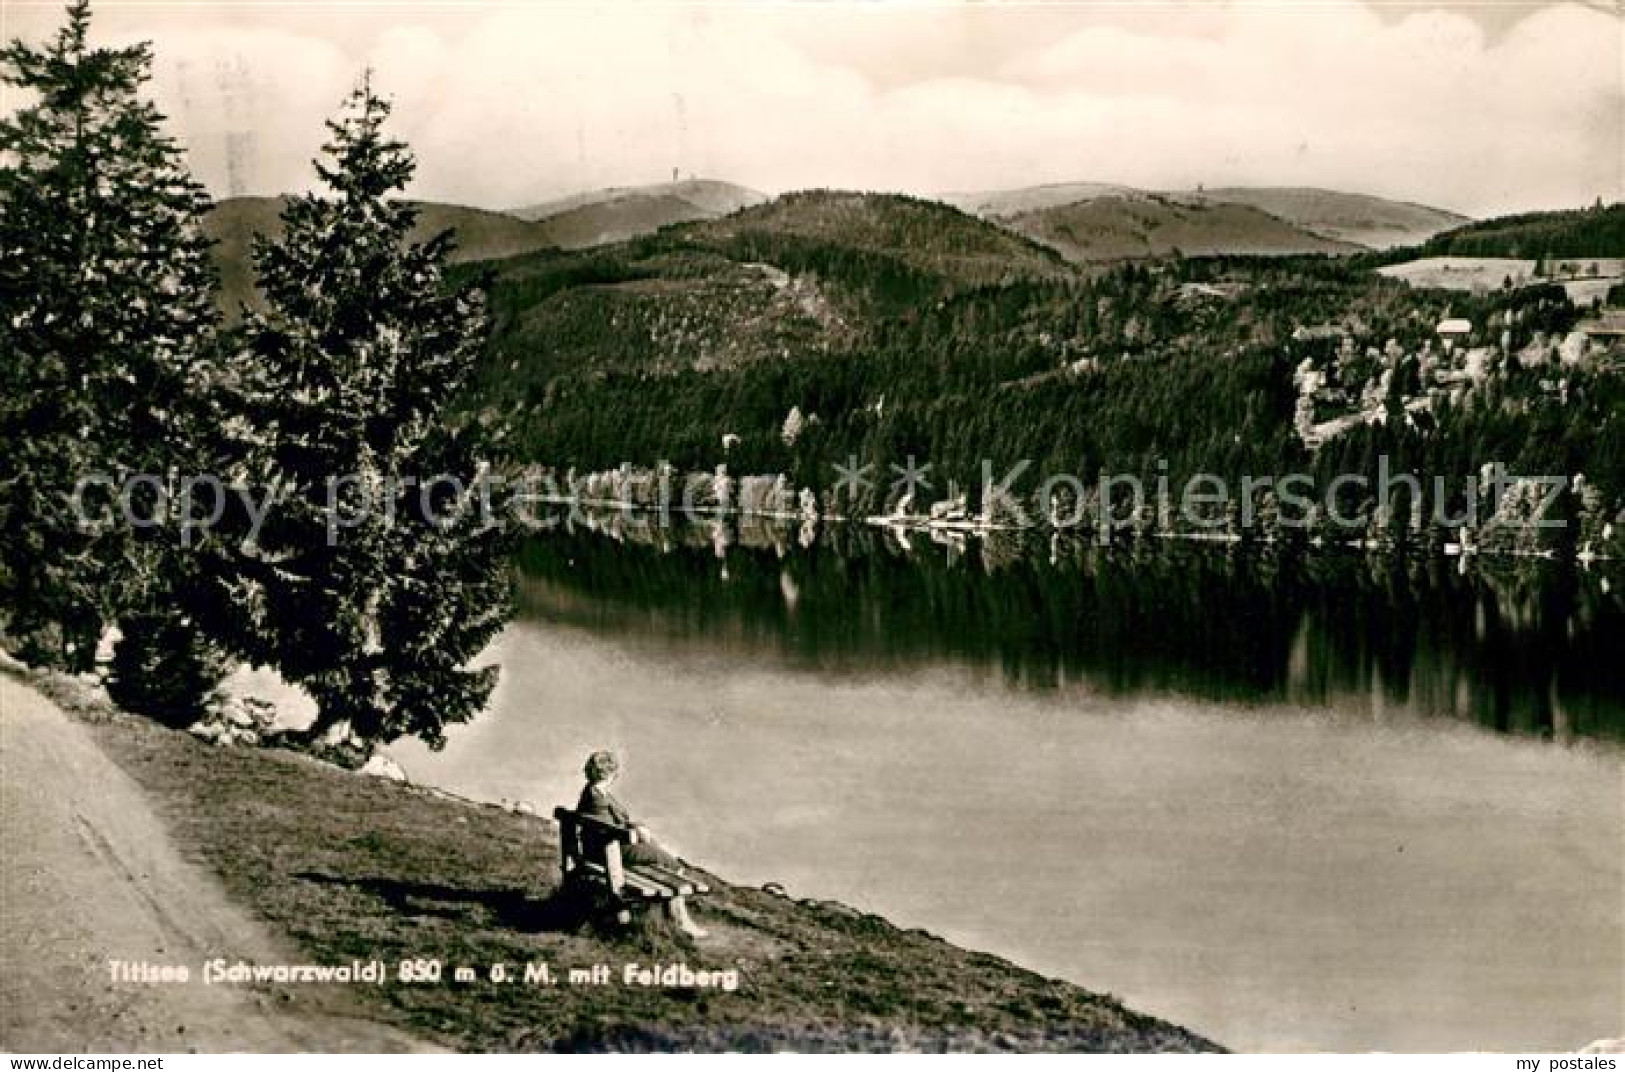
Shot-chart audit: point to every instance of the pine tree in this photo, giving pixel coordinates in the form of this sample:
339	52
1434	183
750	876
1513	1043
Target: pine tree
379	577
105	318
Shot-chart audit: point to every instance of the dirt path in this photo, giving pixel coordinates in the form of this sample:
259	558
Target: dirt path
91	876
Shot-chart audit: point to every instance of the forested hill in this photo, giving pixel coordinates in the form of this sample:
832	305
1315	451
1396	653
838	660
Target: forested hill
823	327
925	237
808	275
1598	231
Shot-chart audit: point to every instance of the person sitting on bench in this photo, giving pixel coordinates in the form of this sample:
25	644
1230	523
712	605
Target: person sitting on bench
598	803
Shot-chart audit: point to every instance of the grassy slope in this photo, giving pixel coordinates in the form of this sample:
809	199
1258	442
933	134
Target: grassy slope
1360	219
351	866
999	203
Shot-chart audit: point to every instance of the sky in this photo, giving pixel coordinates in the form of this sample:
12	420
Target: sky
1483	108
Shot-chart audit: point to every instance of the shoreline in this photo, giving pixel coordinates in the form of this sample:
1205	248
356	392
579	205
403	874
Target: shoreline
594	509
349	869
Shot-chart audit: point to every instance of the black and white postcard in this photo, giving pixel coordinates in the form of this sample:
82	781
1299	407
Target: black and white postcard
828	526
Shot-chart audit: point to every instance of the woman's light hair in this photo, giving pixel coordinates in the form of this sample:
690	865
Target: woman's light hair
601	765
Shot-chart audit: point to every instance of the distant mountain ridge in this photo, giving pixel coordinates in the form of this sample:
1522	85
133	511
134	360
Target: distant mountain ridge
711	196
1150	226
1084	222
599	217
1345	219
810	273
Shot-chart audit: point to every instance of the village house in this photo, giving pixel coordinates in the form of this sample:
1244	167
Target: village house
1454	329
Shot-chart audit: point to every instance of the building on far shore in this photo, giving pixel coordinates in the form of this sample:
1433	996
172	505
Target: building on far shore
1453	330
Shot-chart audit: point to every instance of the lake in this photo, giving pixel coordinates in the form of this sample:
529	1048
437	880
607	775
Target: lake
1332	803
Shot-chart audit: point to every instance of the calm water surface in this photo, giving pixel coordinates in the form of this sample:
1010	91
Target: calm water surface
1336	804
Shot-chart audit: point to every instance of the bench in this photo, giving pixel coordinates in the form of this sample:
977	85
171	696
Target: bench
590	857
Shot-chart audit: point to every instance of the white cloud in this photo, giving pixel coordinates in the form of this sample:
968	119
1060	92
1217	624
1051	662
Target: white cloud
507	105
